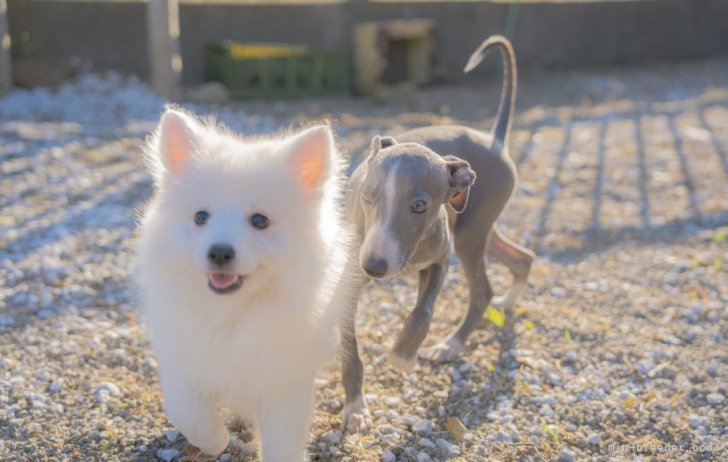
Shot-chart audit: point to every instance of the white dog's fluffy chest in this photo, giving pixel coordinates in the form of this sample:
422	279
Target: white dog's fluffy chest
237	355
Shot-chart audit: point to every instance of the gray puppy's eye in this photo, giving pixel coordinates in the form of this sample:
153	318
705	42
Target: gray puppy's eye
419	206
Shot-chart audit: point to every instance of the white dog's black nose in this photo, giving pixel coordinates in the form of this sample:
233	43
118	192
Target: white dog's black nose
376	267
221	254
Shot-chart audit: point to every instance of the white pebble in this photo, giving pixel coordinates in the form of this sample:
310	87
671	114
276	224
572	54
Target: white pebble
558	292
553	379
392	401
333	404
386	429
408	394
423	457
715	398
388	456
56	386
407	420
544	399
110	387
422	426
103	396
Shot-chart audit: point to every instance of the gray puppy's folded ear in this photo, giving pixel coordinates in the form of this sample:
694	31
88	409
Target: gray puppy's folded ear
461	177
379	143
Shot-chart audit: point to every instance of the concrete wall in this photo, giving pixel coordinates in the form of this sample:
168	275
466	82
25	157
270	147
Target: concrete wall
110	34
547	33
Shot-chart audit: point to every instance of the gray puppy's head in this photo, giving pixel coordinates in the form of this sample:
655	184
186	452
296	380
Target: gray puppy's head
403	193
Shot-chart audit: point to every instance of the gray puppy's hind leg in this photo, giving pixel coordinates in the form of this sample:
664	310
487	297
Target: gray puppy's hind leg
517	259
470	248
417	324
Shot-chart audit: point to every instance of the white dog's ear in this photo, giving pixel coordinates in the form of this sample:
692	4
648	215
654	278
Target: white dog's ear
177	138
313	155
379	143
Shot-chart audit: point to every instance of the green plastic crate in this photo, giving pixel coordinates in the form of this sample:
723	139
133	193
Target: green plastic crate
291	71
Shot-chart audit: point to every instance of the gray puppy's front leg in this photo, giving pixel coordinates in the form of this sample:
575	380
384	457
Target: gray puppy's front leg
417	324
356	417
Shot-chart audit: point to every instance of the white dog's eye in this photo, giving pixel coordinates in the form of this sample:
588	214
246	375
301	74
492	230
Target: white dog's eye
419	206
259	221
201	217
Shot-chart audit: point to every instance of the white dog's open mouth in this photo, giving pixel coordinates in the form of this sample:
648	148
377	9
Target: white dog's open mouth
224	283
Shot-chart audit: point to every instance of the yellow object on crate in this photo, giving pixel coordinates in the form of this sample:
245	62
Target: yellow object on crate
244	51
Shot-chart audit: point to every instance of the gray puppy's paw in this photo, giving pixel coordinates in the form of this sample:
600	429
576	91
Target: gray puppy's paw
445	351
356	417
401	363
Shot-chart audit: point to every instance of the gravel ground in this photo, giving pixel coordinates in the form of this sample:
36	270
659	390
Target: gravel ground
616	350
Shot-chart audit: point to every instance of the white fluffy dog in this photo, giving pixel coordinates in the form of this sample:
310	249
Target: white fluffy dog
241	257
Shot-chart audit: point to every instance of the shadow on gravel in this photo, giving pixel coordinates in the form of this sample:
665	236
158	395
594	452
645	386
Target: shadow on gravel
461	404
595	237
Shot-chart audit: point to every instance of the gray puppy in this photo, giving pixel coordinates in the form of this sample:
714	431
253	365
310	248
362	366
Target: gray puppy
409	200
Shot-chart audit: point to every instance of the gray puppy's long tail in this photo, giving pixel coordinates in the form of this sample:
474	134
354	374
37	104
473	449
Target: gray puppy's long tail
508	93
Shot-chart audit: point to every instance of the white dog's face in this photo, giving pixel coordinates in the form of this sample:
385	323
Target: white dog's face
234	211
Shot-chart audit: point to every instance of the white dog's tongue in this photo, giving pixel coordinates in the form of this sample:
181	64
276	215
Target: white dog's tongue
223	280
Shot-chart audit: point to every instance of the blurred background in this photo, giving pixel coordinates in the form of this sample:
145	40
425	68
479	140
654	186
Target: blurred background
53	40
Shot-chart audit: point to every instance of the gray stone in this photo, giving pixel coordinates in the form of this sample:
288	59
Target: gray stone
566	456
448	449
593	439
422	426
167	454
426	443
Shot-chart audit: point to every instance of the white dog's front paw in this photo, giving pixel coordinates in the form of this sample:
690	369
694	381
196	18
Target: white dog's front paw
356	417
400	363
445	351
